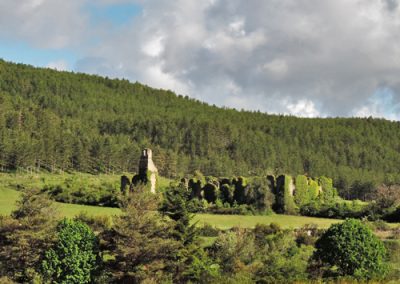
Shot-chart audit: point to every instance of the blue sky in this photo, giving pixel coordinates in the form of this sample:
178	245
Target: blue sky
117	14
22	51
306	57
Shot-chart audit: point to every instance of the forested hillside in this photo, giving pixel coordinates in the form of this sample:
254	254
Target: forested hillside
60	120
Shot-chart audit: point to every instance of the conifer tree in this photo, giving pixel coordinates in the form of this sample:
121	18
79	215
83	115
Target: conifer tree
192	262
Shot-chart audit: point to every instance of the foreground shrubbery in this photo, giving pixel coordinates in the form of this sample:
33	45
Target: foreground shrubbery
350	248
146	245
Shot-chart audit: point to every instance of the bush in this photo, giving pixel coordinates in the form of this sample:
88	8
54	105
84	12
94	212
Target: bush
353	249
235	210
234	250
307	235
261	231
74	257
283	261
79	192
208	231
96	223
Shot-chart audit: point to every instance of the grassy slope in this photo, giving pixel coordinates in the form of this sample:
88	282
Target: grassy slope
8	197
285	221
26	180
10	183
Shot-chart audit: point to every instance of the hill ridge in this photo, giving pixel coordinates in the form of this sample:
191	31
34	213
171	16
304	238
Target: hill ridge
65	120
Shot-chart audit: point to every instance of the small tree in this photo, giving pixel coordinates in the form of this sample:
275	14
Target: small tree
191	261
353	249
26	235
74	257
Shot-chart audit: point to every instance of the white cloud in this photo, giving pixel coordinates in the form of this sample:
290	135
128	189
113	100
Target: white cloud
60	65
320	58
44	23
237	28
303	108
153	47
304	57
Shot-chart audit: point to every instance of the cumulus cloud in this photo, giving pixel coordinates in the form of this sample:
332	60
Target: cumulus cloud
60	65
303	57
44	23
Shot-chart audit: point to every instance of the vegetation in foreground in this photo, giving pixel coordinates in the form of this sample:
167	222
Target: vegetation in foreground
146	245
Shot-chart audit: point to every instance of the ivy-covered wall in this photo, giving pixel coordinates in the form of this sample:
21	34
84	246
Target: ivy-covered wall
301	193
284	194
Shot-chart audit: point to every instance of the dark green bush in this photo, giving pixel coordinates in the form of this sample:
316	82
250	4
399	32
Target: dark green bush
208	231
351	248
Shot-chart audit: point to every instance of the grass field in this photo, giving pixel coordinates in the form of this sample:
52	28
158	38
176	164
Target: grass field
11	184
23	180
285	221
8	197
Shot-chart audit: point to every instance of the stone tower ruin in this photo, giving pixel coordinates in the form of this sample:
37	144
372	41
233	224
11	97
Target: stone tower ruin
147	169
147	173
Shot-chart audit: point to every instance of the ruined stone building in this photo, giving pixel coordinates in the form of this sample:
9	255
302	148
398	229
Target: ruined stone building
147	173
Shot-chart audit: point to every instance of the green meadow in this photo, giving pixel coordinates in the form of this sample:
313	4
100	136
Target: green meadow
8	197
12	184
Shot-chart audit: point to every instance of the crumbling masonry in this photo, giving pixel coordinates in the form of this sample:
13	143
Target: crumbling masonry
147	174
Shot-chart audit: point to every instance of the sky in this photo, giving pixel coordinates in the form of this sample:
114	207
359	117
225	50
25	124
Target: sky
308	58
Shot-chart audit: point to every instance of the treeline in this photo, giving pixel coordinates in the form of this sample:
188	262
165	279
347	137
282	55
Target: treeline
146	245
64	121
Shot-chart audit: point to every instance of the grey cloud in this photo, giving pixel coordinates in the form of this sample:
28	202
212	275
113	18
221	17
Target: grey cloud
307	57
43	23
267	55
391	4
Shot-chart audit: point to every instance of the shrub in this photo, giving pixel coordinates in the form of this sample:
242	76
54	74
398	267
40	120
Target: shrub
74	257
353	249
261	231
307	235
234	250
283	261
208	231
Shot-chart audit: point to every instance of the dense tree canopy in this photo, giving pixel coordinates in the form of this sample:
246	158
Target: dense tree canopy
66	121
